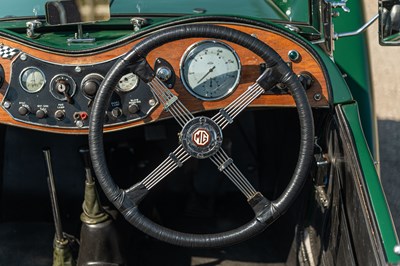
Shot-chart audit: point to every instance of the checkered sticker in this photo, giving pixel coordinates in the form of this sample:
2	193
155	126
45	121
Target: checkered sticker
7	52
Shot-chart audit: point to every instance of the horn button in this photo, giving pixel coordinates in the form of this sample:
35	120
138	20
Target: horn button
201	137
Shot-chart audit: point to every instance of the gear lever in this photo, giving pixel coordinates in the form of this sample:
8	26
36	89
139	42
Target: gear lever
100	241
62	254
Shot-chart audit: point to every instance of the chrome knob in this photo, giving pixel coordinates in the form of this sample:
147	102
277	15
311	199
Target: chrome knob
164	73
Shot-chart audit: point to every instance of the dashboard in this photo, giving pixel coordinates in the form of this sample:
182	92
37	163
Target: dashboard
54	91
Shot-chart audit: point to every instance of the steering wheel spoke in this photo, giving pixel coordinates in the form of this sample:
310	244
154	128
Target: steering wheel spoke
174	160
170	101
226	115
226	165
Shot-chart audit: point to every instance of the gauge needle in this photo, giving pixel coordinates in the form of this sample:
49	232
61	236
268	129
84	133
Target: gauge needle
209	71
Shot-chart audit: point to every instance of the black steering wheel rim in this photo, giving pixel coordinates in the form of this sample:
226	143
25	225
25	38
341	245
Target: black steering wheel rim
265	212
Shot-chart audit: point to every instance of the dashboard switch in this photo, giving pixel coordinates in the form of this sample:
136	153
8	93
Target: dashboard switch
59	114
133	108
90	88
63	87
90	84
24	110
41	113
116	112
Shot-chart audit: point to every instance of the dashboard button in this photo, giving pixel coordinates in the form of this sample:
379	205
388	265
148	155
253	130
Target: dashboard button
133	108
41	113
59	114
90	88
24	110
116	112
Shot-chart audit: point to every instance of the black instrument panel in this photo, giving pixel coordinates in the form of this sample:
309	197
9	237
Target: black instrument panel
56	95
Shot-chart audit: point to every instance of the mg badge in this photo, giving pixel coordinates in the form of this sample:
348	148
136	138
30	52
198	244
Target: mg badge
201	137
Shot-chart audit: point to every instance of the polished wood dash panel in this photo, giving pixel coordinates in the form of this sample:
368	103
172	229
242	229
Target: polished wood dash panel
172	52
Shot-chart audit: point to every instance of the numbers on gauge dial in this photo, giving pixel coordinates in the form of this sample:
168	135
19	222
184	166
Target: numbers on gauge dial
32	79
128	82
210	70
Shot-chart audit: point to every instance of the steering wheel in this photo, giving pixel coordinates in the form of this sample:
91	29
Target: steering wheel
127	200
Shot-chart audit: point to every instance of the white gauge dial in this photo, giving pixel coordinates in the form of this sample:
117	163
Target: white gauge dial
32	79
128	82
210	70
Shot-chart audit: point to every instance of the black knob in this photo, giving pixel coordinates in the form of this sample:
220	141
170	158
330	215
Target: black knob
90	87
116	112
306	80
24	110
59	114
133	108
41	113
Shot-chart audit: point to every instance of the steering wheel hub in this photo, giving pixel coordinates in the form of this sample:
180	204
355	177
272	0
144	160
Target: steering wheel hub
201	137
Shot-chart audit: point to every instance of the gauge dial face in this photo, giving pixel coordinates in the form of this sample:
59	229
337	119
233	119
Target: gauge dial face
210	70
32	79
128	82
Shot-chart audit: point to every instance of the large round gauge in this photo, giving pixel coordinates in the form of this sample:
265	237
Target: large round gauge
32	79
210	70
128	82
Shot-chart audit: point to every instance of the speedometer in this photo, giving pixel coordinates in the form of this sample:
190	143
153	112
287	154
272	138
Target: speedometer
210	70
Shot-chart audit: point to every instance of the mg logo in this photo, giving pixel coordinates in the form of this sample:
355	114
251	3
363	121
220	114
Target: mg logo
201	137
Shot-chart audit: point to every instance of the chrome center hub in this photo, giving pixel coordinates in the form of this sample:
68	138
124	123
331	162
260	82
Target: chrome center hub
201	137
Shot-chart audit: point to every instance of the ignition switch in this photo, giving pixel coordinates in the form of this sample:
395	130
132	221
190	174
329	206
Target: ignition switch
63	87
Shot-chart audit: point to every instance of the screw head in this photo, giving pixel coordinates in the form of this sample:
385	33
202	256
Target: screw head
7	104
78	69
317	96
23	57
152	102
79	123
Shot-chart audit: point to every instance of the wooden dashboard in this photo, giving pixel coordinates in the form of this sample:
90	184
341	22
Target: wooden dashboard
172	52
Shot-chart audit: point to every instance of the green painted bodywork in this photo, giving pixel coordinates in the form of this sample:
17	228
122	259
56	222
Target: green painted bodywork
351	56
373	183
290	10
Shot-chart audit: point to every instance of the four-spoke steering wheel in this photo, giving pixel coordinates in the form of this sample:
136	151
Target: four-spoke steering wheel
201	137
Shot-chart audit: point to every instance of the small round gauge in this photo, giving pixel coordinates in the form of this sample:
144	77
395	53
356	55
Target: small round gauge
210	70
32	79
128	82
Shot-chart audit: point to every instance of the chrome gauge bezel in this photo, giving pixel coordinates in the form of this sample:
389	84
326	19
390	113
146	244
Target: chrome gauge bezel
191	49
22	83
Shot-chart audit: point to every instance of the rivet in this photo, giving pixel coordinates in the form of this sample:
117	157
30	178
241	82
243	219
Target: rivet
79	123
317	96
23	57
7	104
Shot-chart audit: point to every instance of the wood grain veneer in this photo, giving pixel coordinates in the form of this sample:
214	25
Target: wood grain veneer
173	52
